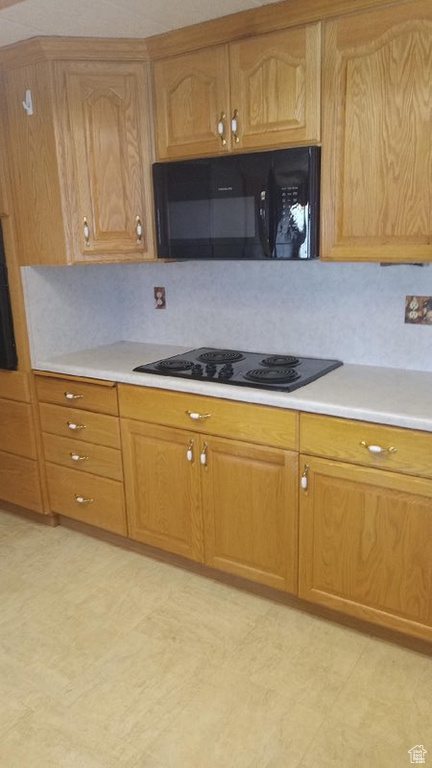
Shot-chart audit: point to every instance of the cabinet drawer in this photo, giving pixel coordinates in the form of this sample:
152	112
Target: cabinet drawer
85	457
73	393
241	421
89	427
16	433
106	508
405	450
14	385
19	481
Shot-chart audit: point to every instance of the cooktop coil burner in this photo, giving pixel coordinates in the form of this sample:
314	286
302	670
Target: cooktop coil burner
280	361
221	356
175	365
272	375
280	373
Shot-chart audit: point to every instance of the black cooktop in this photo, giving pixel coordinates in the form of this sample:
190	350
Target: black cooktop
282	373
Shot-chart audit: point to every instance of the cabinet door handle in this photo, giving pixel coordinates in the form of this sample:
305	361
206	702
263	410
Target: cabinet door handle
221	128
73	426
72	396
77	457
197	416
82	499
235	126
189	452
203	456
377	449
305	478
86	230
139	230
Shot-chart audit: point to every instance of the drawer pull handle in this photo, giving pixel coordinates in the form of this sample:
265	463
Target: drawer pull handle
71	396
74	426
77	457
221	128
197	416
377	449
82	499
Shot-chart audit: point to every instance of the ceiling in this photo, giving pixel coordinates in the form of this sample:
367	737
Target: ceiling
21	19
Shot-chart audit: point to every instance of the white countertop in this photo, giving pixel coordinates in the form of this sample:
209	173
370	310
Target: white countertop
382	395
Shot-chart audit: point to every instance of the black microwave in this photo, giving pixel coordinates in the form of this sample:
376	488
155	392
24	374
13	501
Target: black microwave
262	205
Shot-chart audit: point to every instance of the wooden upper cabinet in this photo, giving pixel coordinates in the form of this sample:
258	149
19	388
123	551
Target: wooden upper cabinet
191	96
377	135
106	153
258	93
84	152
275	88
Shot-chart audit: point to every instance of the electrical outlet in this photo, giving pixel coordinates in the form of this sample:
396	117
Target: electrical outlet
418	310
159	297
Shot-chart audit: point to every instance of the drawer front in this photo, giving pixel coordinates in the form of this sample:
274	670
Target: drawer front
19	482
241	421
88	427
17	433
70	493
85	457
14	385
403	450
73	393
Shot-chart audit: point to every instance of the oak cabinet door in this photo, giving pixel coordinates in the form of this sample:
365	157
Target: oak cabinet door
191	98
365	544
108	159
161	468
377	140
275	88
250	511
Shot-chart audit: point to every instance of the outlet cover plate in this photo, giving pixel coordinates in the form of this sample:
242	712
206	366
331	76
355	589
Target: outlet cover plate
418	310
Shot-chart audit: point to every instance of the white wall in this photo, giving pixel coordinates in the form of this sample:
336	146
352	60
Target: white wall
354	312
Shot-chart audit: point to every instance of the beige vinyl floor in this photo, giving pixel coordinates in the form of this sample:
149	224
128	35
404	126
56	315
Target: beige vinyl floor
111	659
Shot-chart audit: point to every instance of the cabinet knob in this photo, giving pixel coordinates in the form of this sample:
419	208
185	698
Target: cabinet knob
221	128
235	126
73	426
82	499
377	449
72	396
203	455
86	231
139	230
189	452
197	416
77	457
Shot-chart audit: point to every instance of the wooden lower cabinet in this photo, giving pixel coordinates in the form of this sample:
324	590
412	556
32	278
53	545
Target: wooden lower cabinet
250	511
20	481
162	488
230	504
365	544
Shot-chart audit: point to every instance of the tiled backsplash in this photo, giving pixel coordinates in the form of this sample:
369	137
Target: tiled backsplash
354	312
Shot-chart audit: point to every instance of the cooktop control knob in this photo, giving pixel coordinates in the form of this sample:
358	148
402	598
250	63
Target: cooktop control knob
210	369
226	371
197	370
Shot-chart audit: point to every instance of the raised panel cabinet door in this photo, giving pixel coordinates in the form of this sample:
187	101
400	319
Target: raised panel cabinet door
37	193
377	135
365	544
250	511
191	101
161	468
275	88
109	159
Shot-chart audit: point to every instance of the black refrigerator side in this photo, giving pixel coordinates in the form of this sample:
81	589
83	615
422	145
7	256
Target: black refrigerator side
8	354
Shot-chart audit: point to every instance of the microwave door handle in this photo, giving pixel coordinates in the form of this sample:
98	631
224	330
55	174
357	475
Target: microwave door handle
264	221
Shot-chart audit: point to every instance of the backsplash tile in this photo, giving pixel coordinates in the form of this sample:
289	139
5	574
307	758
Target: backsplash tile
347	311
